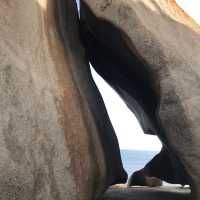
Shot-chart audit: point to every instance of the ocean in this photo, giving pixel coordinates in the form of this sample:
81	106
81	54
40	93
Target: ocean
134	160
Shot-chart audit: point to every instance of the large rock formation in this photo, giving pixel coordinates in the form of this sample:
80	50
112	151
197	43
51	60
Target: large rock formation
56	141
148	50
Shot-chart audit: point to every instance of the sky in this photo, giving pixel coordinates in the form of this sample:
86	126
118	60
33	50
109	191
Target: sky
128	130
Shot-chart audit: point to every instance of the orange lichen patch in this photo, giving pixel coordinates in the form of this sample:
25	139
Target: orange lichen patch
177	12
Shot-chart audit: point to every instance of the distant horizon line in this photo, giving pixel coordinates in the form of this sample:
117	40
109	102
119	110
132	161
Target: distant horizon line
154	150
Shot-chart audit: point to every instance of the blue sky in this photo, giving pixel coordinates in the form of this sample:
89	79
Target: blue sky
129	132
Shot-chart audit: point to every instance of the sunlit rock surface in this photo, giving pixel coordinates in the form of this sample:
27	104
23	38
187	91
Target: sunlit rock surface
149	52
52	143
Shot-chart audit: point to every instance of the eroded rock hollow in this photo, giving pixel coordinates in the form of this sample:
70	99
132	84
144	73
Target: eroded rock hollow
56	138
148	51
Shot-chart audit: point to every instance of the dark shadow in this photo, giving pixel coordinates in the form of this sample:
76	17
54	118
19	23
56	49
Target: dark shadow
140	193
67	23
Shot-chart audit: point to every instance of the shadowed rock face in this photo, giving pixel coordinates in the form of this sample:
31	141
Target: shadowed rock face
140	193
164	166
141	178
148	51
56	141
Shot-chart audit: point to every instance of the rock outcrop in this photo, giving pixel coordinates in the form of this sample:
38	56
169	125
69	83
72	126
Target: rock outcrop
164	166
149	53
143	193
56	140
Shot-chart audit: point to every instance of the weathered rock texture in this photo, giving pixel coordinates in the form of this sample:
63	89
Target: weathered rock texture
139	193
148	50
56	141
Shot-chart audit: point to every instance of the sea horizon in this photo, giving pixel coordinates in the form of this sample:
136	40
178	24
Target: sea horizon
134	160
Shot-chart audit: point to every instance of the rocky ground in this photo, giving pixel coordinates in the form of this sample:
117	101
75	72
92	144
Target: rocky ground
145	193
